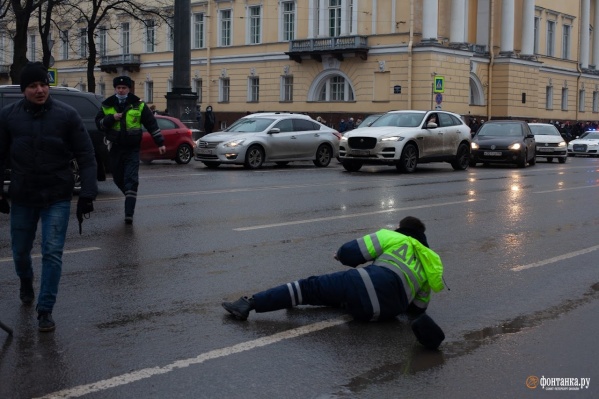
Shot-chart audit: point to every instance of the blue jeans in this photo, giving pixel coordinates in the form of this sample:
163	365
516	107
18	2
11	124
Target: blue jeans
23	226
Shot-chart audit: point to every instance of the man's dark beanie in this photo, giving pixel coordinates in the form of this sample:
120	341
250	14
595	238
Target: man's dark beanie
427	331
33	72
122	80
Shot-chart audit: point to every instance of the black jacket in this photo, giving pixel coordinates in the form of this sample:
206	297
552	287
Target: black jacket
40	142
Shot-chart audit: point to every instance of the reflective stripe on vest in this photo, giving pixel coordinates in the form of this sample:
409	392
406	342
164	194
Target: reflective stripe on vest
374	300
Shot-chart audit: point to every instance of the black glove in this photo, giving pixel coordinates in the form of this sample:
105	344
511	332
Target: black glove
4	205
84	207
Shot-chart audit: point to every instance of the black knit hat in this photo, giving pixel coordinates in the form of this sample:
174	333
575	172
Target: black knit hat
123	81
33	72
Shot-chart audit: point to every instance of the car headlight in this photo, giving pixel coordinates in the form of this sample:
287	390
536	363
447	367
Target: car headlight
562	144
392	138
234	143
343	139
515	146
474	146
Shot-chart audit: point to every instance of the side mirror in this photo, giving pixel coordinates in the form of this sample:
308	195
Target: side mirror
274	130
431	125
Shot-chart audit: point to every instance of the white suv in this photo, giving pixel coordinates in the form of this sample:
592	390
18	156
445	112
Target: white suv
405	138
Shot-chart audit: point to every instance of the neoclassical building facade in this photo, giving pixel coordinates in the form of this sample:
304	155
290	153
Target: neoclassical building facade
525	59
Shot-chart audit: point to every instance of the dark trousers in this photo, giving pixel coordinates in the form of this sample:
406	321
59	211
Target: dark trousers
124	162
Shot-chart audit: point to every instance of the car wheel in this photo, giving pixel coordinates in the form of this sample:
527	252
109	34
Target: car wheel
324	153
282	163
254	157
211	165
351	166
562	160
462	158
549	159
523	161
184	154
409	159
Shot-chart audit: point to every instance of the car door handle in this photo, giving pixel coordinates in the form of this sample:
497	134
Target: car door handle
293	137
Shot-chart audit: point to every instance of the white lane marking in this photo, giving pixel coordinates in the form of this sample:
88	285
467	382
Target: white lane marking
555	259
353	215
71	251
564	189
128	378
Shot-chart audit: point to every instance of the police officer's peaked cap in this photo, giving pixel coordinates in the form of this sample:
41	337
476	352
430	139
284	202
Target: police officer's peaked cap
427	331
33	72
122	81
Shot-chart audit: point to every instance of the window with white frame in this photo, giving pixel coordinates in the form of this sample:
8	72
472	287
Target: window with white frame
596	101
564	98
197	88
225	28
125	38
150	36
255	25
253	89
82	86
83	42
550	38
549	97
536	35
581	97
336	88
286	88
288	20
169	85
334	18
101	89
64	44
170	35
198	30
224	86
32	53
149	91
566	41
102	41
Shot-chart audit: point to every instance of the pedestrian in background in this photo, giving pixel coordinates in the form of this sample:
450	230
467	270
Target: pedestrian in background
209	120
121	118
41	136
342	126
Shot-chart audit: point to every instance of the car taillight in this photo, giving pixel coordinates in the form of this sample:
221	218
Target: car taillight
189	133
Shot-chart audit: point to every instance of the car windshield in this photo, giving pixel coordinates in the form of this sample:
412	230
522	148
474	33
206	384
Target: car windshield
500	129
591	136
368	120
544	130
399	119
250	125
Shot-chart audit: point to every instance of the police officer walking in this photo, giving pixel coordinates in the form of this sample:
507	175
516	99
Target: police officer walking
121	118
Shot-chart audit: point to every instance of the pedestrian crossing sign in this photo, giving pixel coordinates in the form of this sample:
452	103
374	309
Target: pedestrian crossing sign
439	84
52	76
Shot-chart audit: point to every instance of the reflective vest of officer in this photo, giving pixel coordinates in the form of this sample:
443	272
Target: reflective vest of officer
418	267
130	132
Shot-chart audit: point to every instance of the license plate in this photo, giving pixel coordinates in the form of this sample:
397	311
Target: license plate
204	151
492	153
360	153
544	149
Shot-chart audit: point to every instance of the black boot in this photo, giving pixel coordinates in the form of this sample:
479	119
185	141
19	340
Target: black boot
26	292
45	322
240	308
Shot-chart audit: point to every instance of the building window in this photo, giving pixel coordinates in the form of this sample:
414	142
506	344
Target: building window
102	42
150	36
550	38
253	89
198	30
254	27
64	44
225	28
170	35
566	42
564	98
197	88
596	101
101	89
336	88
32	48
149	92
125	38
169	85
581	106
223	90
288	19
287	88
83	42
334	18
536	35
549	97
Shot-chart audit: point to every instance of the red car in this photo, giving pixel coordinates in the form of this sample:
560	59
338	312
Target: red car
178	140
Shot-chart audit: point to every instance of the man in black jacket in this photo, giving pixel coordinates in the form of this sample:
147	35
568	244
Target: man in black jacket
40	136
121	118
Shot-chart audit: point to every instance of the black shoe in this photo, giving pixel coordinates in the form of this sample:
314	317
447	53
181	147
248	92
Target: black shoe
26	292
240	308
129	219
45	322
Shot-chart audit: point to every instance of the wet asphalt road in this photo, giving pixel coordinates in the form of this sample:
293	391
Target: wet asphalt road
139	315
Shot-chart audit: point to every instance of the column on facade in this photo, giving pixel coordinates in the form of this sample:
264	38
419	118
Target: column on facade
584	33
323	18
528	27
430	18
458	19
596	36
507	27
345	16
482	23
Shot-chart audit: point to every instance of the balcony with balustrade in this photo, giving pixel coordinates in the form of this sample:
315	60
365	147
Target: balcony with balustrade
127	62
338	47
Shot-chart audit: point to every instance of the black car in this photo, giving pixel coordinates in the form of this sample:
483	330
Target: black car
504	141
87	104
